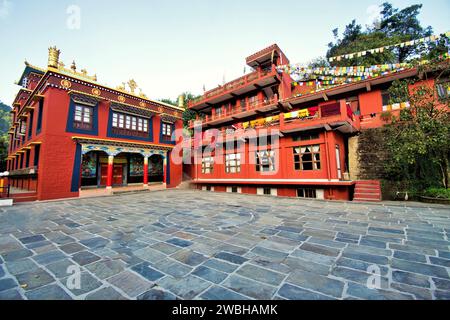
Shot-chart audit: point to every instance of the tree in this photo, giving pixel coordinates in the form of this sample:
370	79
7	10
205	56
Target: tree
395	26
418	141
5	123
188	114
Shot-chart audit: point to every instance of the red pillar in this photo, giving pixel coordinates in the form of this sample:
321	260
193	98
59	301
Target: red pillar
145	171
165	170
109	179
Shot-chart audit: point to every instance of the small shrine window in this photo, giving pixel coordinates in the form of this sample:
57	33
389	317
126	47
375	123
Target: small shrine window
307	158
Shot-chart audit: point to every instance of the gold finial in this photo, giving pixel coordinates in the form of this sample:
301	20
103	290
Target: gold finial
141	94
133	85
61	65
53	57
181	101
122	87
95	77
84	72
73	66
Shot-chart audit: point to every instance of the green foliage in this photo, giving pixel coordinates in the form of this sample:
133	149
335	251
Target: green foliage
5	123
386	116
438	193
398	91
188	114
418	141
394	27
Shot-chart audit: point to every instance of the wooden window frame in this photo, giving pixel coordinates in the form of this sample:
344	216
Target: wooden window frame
299	162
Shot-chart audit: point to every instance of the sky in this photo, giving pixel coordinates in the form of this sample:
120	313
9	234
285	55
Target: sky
172	46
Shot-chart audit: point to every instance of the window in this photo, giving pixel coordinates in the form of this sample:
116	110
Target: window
385	97
218	111
37	150
265	161
167	130
27	160
208	188
306	137
83	117
207	165
25	82
23	128
129	125
234	189
30	127
306	193
233	163
267	191
40	114
307	158
443	89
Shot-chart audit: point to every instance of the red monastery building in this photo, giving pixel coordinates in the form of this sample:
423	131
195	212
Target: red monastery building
315	129
263	133
69	134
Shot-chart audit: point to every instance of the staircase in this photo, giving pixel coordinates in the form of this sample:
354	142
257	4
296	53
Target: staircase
24	197
368	190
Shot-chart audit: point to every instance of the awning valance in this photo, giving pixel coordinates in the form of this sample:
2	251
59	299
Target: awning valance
140	112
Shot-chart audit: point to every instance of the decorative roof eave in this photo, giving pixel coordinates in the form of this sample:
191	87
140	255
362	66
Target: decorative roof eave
75	92
122	143
125	93
133	110
168	118
29	68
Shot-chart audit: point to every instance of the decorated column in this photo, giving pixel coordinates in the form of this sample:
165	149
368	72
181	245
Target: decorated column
109	179
165	169
145	171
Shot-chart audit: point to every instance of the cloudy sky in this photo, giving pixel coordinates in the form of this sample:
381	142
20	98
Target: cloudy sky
173	46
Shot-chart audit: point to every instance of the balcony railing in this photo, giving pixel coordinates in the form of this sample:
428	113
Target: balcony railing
230	111
333	113
233	85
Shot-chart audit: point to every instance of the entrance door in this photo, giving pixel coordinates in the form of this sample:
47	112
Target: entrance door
338	162
117	174
104	174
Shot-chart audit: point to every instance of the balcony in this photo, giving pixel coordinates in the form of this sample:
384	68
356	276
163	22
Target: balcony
333	116
237	111
245	84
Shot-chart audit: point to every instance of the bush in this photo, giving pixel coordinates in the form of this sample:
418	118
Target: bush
438	193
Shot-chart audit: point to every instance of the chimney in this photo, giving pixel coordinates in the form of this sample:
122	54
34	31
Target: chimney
53	57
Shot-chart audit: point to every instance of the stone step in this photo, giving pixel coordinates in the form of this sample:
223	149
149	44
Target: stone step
375	196
365	200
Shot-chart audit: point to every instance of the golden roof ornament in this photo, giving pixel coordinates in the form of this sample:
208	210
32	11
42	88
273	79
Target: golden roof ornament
142	94
73	67
53	57
133	85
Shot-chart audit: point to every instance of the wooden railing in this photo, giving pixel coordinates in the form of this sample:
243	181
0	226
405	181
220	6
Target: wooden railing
227	112
233	85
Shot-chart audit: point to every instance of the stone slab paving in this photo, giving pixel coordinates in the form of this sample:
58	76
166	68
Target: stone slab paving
181	244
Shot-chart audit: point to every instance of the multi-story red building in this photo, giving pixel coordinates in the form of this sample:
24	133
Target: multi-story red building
314	128
69	133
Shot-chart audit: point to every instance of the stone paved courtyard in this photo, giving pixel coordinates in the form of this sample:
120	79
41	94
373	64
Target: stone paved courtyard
197	245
